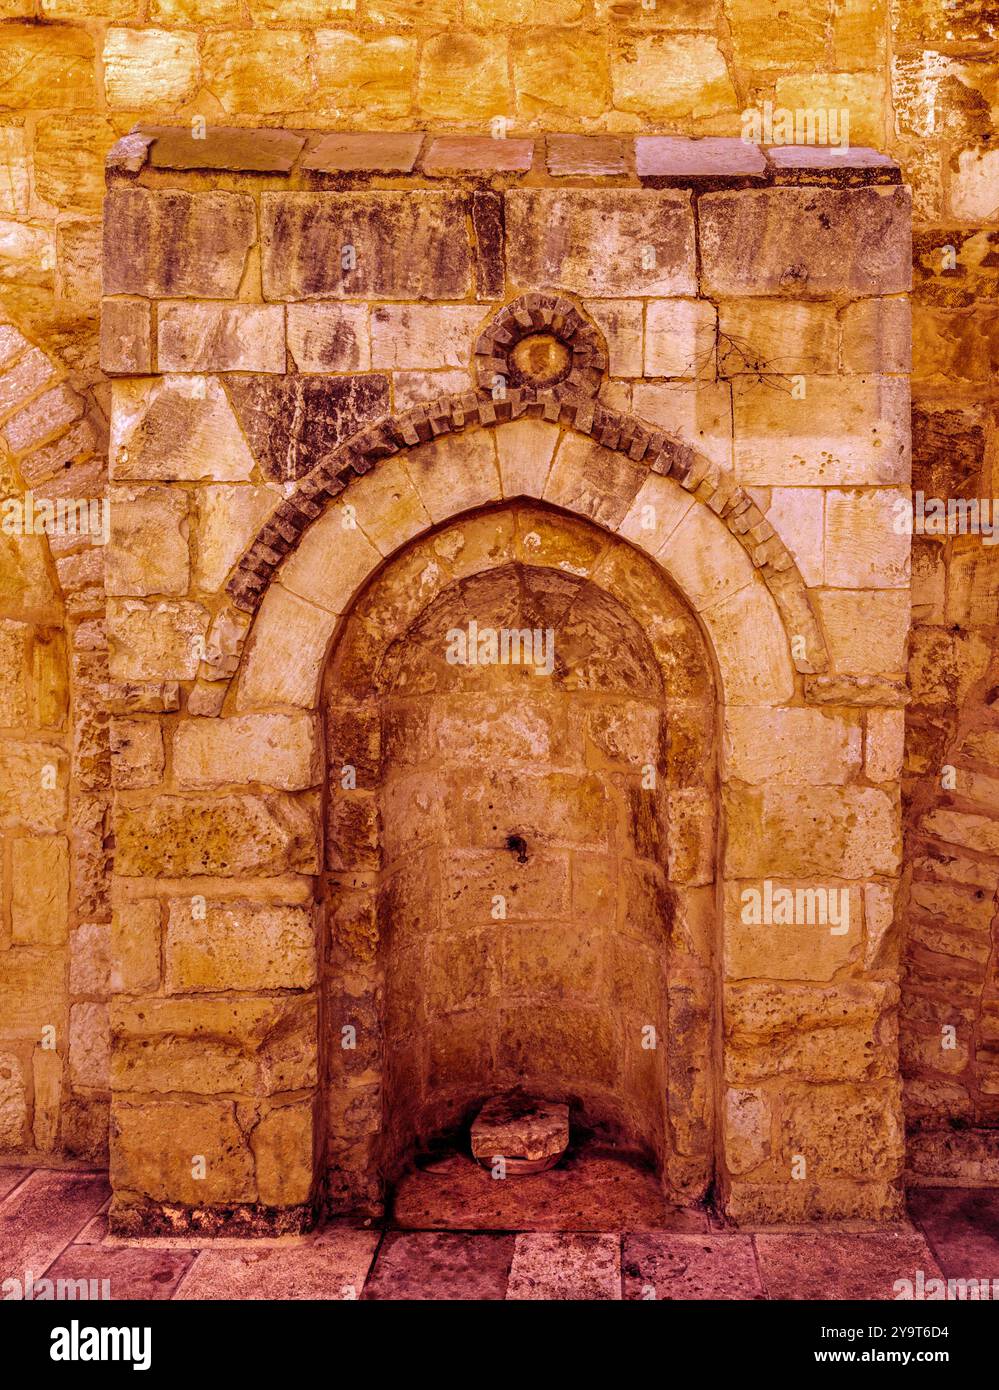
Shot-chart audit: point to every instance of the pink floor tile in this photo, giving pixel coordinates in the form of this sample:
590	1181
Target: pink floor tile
575	1266
440	1265
668	1267
962	1227
42	1216
130	1271
336	1269
841	1266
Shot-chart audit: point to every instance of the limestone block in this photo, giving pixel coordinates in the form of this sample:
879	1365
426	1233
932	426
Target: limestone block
241	946
260	71
46	67
525	449
862	545
775	337
751	647
973	195
224	522
136	752
175	243
795	950
464	76
596	482
860	94
13	1104
176	427
372	74
877	336
403	245
680	338
147	552
791	746
153	640
660	505
222	835
845	1131
32	991
277	750
819	1033
793	241
46	1073
126	336
332	561
705	559
40	898
135	947
146	67
558	1042
89	1045
388	507
422	335
252	1044
156	1145
559	71
747	1130
866	631
884	744
282	1146
221	338
845	832
285	652
455	473
90	960
329	337
620	321
768	38
33	780
671	77
15	163
46	416
697	412
69	160
606	243
841	430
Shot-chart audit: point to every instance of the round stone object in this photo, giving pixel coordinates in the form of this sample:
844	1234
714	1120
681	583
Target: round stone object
529	1135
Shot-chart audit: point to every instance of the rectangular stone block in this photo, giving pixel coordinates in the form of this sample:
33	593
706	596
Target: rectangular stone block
800	832
220	835
866	631
848	430
810	943
877	336
155	640
147	551
221	338
797	241
680	338
277	750
239	946
602	242
382	245
126	336
864	547
153	1144
175	244
40	900
329	337
415	335
32	991
777	337
790	746
135	947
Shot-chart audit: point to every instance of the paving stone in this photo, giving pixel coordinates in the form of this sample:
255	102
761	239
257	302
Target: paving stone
429	1265
384	152
131	1272
675	161
834	1266
566	1266
962	1227
40	1218
690	1267
10	1178
478	154
335	1269
584	155
246	151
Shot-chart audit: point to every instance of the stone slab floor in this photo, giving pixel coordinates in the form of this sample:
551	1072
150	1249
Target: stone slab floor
53	1224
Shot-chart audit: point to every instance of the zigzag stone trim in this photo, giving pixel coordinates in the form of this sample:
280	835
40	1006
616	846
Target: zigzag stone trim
613	429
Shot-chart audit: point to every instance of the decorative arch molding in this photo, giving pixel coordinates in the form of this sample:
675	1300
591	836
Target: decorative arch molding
563	398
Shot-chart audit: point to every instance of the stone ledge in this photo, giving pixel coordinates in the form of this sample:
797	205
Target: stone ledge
318	159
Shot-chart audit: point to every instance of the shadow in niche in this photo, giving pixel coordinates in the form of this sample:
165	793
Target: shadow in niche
505	887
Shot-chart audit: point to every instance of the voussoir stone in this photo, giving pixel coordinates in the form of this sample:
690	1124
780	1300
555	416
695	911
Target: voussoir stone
793	241
176	243
604	242
384	244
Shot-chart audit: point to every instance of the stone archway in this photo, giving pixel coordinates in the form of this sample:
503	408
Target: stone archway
521	866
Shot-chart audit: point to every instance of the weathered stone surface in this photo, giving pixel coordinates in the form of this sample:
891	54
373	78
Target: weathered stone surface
176	427
848	832
845	1131
155	640
415	335
480	154
136	752
588	155
89	1045
293	421
69	158
599	241
258	71
144	67
463	75
277	750
774	338
221	338
46	1073
238	946
32	786
223	835
817	241
40	899
370	73
404	245
135	947
283	1146
126	336
747	1130
221	147
147	552
520	1130
680	338
253	1044
387	152
90	960
672	77
673	161
176	243
790	746
13	1104
329	337
285	652
866	631
559	71
155	1147
45	67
